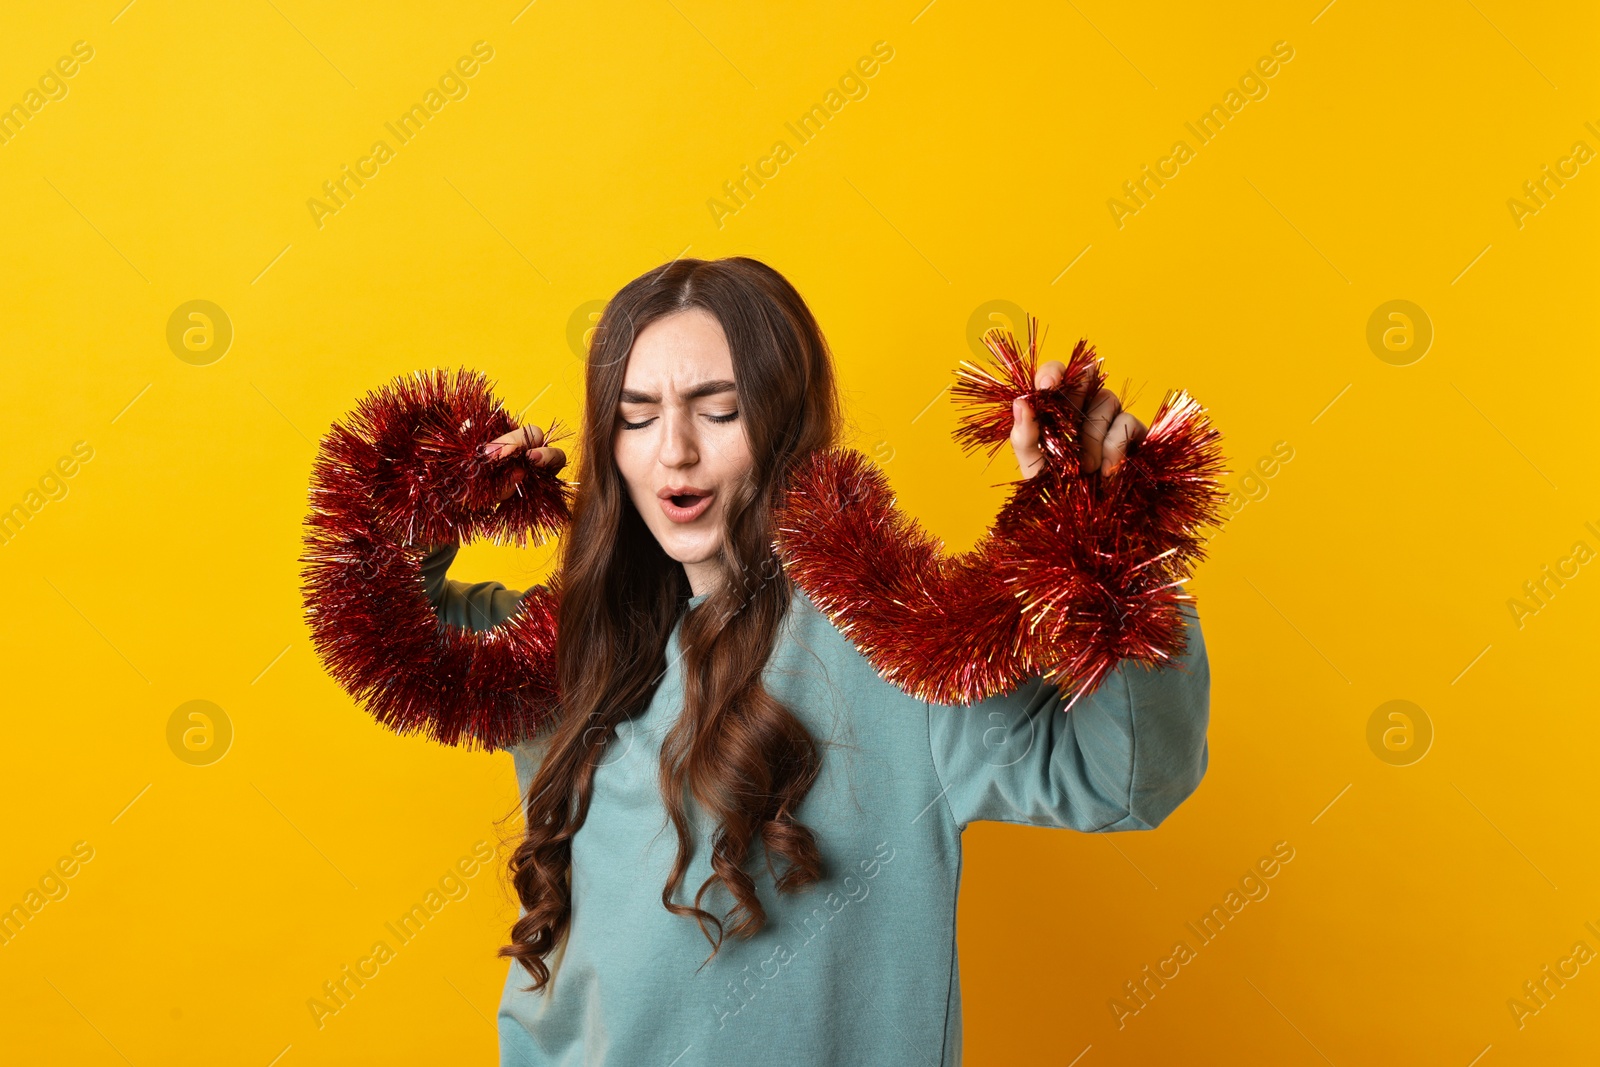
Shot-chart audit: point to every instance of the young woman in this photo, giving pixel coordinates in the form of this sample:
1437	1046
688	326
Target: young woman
803	907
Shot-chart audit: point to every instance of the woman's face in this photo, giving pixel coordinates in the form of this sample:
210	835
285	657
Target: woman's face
679	439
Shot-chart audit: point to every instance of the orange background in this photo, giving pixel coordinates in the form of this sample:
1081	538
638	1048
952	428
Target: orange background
970	176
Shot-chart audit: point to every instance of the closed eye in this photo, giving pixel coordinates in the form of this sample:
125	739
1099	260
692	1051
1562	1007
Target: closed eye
626	425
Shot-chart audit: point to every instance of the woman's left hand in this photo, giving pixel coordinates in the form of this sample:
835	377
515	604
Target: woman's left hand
1106	431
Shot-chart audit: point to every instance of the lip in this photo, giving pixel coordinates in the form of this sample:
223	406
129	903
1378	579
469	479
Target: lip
688	514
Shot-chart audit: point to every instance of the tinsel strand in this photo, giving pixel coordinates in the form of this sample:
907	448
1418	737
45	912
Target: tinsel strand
1078	572
400	476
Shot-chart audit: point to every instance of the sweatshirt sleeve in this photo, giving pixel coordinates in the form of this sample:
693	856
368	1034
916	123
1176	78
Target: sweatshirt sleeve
1122	759
527	756
471	605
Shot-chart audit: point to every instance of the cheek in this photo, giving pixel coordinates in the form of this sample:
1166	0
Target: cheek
629	464
737	456
628	448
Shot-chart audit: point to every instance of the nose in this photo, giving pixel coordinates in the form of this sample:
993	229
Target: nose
678	446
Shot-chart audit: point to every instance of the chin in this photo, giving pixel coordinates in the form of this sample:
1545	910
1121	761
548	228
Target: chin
697	552
689	547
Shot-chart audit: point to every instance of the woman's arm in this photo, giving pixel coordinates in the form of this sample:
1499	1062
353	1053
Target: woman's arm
1122	759
481	606
475	606
1128	753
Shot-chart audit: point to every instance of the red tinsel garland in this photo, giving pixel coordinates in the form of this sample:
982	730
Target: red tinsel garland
400	476
941	628
1077	573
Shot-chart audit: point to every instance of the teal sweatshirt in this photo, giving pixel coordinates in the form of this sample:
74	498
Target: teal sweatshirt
860	968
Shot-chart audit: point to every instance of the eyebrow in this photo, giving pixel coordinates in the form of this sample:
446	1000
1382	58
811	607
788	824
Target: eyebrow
709	388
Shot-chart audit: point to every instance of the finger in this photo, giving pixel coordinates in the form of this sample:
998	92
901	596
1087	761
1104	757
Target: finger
1125	429
1025	437
529	436
1077	393
512	481
1102	410
549	456
1049	375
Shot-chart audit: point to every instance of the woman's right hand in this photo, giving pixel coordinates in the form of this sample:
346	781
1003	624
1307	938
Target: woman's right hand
530	438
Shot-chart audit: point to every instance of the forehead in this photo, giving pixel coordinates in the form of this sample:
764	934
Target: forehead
681	350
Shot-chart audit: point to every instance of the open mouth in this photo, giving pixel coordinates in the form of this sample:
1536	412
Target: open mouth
685	506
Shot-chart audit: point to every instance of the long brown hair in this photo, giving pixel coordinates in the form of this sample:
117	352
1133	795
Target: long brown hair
743	756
